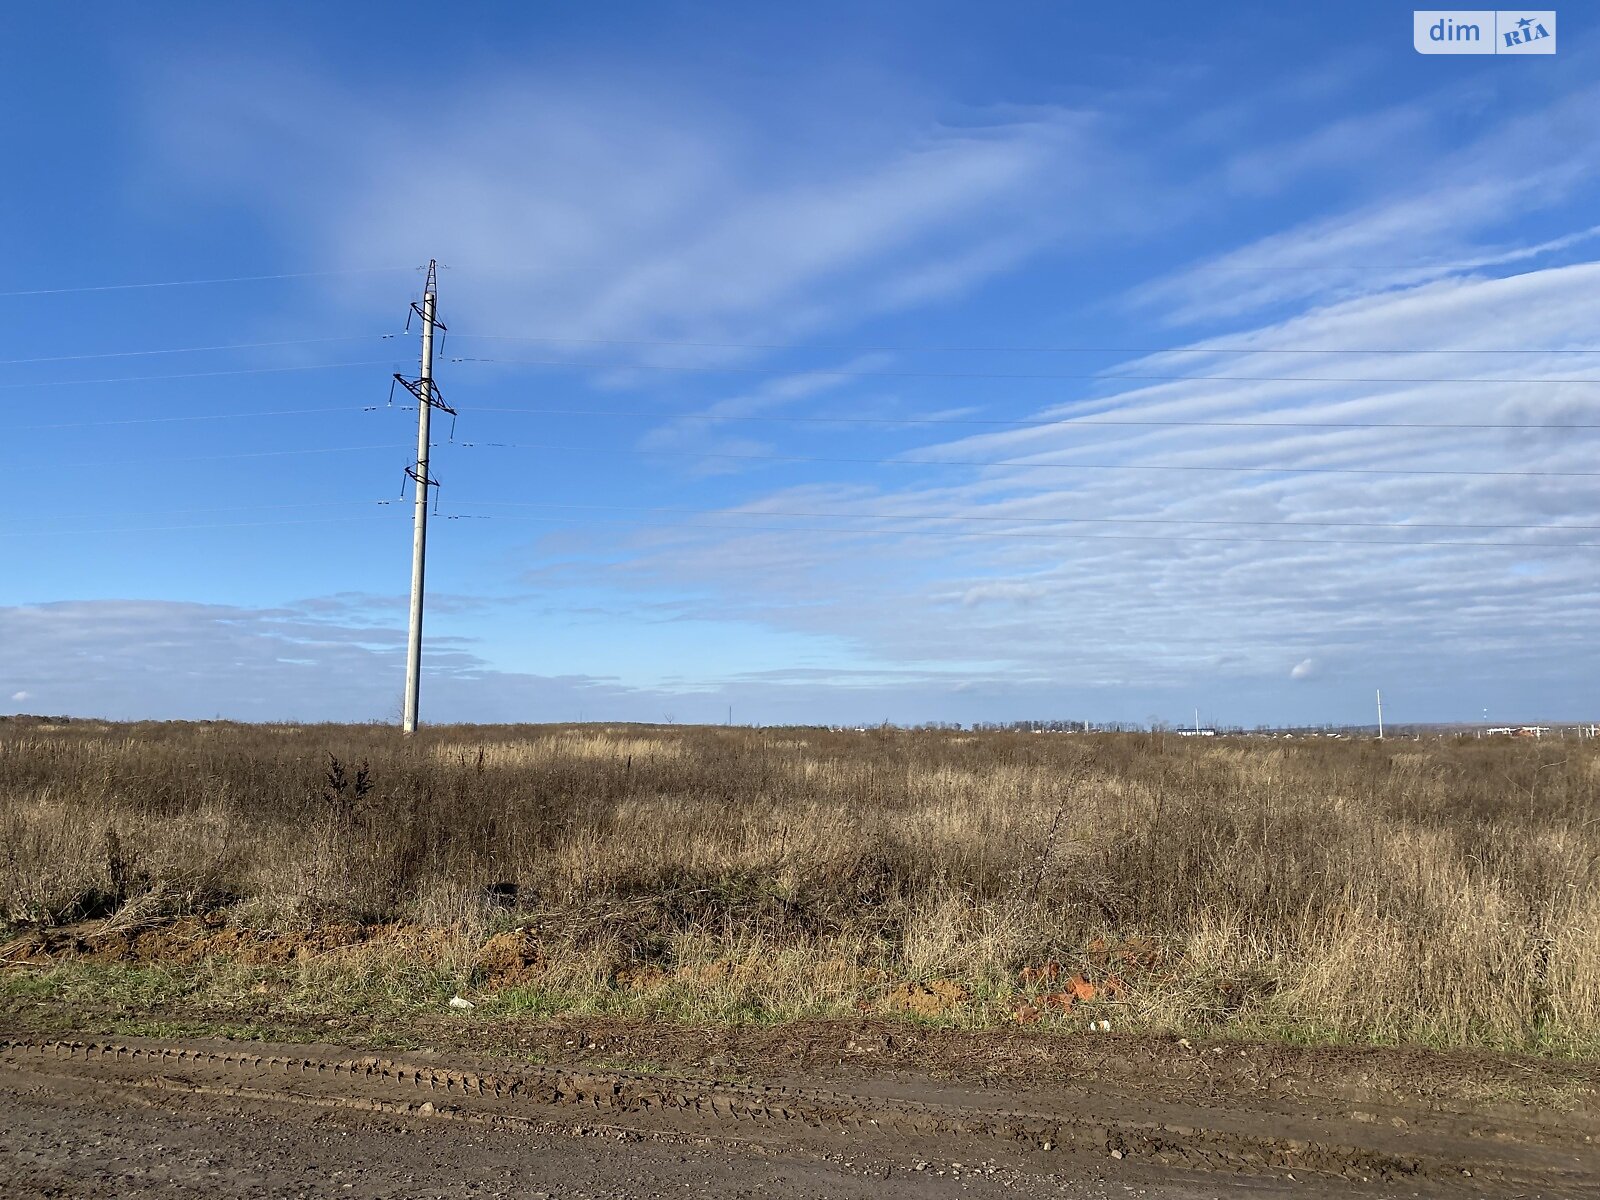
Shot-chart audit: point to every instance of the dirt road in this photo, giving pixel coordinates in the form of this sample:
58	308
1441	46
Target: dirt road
135	1117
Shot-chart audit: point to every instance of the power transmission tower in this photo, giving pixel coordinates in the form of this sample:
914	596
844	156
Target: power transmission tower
428	399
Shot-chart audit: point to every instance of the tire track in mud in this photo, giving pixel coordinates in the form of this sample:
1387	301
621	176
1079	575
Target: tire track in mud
608	1100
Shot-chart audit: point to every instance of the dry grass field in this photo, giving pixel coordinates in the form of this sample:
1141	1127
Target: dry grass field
1430	893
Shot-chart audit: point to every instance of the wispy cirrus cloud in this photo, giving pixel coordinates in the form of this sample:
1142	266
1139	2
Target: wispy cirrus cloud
1160	560
706	430
581	210
1453	210
1130	559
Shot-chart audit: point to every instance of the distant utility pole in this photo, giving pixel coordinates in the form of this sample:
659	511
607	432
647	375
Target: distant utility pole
428	398
1380	714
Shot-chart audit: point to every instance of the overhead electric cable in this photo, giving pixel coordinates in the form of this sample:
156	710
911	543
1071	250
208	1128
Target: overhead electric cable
164	512
882	349
1014	464
243	454
359	337
371	362
1087	537
280	412
1098	377
984	422
1072	520
1041	423
174	283
183	528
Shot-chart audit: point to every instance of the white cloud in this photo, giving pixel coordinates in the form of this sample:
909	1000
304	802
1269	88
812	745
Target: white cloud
1001	590
172	660
567	209
639	215
1304	669
702	434
1442	219
19	697
159	659
1137	577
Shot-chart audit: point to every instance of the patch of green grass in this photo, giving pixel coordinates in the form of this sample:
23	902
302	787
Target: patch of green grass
531	1001
106	985
378	1001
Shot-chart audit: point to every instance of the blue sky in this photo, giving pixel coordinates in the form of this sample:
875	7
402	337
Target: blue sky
861	362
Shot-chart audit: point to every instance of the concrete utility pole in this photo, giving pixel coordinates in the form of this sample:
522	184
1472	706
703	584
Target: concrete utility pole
419	520
1380	714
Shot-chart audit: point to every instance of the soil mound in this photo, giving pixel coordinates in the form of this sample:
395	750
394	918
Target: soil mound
927	999
510	959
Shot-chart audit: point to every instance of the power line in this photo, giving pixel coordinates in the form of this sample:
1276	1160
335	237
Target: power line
502	271
173	283
1073	520
1099	377
1040	423
183	528
880	349
1317	268
983	422
224	508
1028	424
1019	465
359	337
246	454
807	514
280	412
371	362
1087	537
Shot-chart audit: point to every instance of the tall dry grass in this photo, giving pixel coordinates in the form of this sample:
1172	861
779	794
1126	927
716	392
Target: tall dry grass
1439	892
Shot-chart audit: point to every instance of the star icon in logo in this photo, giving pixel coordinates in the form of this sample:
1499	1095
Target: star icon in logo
1525	22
